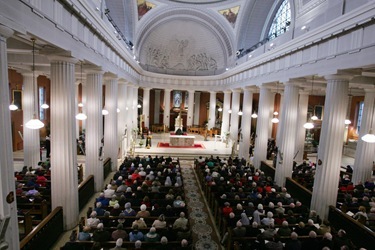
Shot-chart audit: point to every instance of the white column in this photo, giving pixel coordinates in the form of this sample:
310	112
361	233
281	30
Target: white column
129	111
110	122
157	107
287	134
263	121
212	110
197	106
64	180
272	105
31	138
330	146
226	107
247	109
84	108
135	106
301	131
121	119
234	120
8	208
76	108
167	108
364	155
146	107
190	113
279	125
94	127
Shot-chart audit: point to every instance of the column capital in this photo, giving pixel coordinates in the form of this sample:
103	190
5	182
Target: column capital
5	31
122	81
370	90
338	77
191	91
56	58
248	88
303	92
238	90
227	91
146	88
110	76
93	71
212	92
167	90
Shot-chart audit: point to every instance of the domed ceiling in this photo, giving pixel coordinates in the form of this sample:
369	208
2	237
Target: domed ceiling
189	37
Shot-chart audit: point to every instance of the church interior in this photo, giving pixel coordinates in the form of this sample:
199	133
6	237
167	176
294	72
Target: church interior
187	124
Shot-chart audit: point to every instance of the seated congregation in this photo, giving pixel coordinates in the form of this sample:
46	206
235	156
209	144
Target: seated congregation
252	212
142	208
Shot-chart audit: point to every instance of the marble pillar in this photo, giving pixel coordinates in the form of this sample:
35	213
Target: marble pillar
261	138
135	107
190	113
110	121
284	163
197	105
247	109
94	128
8	207
279	126
146	107
234	119
330	146
226	108
167	108
31	138
364	155
157	107
303	102
212	110
122	128
129	111
64	180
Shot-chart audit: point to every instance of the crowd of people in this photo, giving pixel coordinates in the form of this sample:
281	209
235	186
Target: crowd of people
143	203
255	209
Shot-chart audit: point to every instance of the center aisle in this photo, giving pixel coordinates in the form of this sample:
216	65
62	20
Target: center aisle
204	232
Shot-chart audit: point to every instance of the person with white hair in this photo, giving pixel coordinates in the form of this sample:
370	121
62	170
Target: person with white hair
284	230
181	222
239	230
143	213
99	209
101	235
164	240
326	241
293	243
92	221
257	213
311	243
138	244
118	245
268	220
168	182
109	192
152	235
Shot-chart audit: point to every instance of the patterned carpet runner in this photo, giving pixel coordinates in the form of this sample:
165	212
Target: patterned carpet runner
203	229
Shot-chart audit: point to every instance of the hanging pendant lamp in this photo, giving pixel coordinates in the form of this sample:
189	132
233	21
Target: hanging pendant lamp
34	123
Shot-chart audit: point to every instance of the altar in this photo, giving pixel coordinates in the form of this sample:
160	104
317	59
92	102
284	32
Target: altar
181	140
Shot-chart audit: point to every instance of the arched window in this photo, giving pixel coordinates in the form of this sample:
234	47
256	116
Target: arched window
281	21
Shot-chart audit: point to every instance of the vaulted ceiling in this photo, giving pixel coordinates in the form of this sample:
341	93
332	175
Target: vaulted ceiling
190	37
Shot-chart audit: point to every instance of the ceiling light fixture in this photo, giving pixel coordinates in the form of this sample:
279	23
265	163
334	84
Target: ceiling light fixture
34	123
370	137
12	106
81	116
347	120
